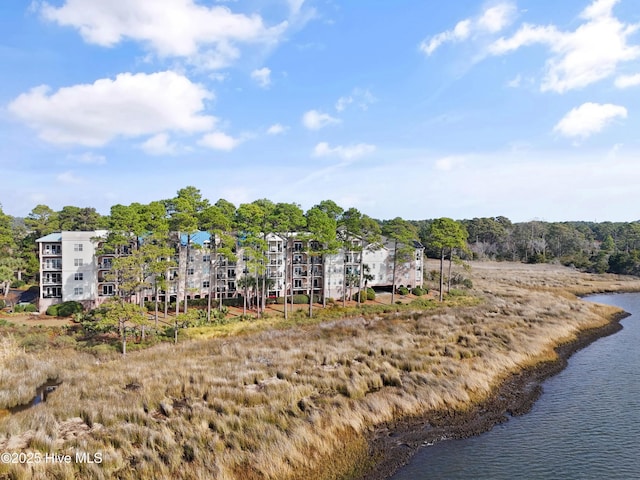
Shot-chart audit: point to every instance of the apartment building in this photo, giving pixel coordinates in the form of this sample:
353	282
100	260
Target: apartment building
68	268
72	267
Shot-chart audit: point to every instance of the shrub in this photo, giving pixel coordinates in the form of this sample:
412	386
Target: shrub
458	279
65	309
417	291
25	308
2	303
280	300
368	294
18	283
298	299
402	290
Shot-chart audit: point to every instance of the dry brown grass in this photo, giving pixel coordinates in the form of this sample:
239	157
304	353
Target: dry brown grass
21	373
297	402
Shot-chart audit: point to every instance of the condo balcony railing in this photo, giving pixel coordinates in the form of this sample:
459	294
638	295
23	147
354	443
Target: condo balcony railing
52	266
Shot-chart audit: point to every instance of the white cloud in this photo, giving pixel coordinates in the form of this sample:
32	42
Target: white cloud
589	118
581	57
69	178
625	81
88	158
129	106
492	20
495	18
315	120
448	163
170	28
262	76
361	97
159	145
219	141
460	32
515	82
350	152
295	6
276	129
342	103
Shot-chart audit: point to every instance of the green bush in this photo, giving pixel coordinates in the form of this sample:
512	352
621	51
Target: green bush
280	300
65	309
402	290
371	294
356	295
418	291
298	299
25	308
18	283
2	303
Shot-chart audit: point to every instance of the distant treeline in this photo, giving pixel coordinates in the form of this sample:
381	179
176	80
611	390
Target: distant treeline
612	247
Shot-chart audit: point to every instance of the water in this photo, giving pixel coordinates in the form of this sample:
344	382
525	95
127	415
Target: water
42	392
586	425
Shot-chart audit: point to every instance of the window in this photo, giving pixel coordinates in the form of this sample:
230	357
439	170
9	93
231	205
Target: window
77	291
77	262
297	283
191	258
52	249
78	276
297	246
52	278
297	259
205	284
52	292
206	258
107	290
191	271
297	270
77	247
231	272
53	264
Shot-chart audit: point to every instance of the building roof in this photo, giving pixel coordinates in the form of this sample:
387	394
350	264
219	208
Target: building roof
52	237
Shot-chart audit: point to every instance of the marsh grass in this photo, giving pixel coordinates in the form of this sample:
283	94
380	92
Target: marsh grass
279	400
21	373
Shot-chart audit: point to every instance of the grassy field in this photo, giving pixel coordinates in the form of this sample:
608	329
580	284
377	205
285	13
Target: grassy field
288	400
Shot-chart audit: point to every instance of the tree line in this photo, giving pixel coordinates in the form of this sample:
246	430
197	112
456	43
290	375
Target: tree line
596	247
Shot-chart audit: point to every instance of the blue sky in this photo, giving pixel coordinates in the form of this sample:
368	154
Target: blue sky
527	109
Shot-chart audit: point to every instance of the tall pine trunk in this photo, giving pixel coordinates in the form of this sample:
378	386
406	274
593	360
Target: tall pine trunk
441	272
395	263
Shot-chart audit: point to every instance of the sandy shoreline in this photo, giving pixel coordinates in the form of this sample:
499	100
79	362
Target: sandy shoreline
393	444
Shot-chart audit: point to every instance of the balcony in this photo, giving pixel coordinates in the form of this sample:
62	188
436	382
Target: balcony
52	266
